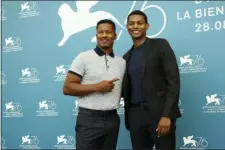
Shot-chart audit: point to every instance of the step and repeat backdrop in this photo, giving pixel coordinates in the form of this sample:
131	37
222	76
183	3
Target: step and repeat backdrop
40	40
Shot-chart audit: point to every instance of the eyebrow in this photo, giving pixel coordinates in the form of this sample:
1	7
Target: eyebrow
105	30
136	21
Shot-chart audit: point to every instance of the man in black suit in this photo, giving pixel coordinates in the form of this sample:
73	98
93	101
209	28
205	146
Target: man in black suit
151	88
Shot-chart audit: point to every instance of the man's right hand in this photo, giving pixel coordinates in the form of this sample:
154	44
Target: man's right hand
106	85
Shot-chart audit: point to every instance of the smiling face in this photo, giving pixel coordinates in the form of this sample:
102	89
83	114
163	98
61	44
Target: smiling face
105	35
137	26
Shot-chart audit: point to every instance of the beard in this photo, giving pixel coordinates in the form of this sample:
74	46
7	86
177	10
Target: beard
105	46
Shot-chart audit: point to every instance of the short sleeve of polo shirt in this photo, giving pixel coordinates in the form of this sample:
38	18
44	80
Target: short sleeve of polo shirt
78	67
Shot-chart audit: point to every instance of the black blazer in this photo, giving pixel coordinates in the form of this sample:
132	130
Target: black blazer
160	80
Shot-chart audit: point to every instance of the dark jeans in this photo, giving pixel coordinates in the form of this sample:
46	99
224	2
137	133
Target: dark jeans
97	130
143	131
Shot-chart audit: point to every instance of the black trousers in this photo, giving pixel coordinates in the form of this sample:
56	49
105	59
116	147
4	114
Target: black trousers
143	131
97	130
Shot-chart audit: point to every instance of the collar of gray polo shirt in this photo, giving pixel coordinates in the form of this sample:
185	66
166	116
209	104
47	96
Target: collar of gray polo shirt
100	52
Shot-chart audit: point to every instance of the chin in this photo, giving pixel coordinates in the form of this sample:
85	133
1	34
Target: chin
136	37
104	46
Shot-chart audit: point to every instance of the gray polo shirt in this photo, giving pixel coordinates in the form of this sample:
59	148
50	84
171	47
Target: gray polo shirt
94	66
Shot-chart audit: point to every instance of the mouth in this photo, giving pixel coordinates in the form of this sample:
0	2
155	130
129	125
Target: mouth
135	31
104	40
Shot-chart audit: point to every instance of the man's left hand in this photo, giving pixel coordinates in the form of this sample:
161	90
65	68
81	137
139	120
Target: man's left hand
163	126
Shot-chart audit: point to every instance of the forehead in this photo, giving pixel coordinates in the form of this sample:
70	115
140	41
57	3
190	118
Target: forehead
105	26
136	18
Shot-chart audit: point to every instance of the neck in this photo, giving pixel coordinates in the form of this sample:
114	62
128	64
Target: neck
138	42
106	50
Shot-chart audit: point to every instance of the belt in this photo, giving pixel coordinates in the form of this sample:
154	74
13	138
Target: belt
97	112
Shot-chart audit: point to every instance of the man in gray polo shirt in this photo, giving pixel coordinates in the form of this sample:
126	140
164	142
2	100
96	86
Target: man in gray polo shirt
96	77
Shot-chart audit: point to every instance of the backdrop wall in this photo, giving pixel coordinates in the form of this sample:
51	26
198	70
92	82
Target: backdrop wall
40	40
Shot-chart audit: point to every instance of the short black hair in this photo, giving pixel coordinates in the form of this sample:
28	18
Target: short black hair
138	12
106	21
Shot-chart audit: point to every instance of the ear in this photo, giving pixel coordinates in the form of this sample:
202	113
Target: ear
147	26
115	37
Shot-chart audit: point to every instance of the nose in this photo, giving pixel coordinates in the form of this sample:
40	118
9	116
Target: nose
104	34
135	25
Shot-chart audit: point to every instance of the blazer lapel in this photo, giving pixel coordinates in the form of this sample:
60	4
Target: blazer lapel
147	49
127	58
